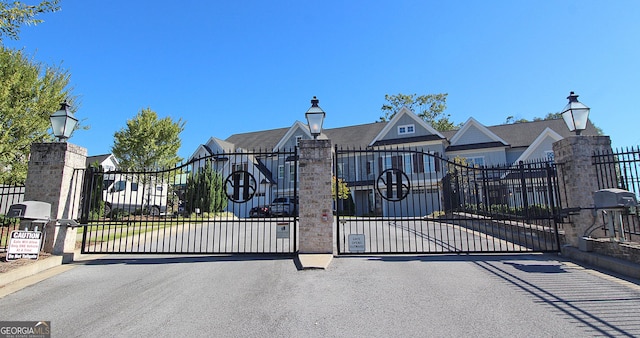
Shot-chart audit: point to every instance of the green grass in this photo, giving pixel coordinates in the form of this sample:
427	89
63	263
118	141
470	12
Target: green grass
109	232
118	229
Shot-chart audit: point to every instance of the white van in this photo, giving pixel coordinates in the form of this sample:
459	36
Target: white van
125	193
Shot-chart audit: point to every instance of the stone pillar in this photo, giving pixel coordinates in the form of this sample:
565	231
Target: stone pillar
578	181
316	201
52	178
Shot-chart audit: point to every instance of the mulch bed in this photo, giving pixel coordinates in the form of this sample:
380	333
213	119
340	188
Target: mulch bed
6	266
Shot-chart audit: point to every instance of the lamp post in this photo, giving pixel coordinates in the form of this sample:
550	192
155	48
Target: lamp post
575	114
63	122
315	116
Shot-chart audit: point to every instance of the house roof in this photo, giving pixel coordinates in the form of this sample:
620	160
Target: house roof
523	134
352	136
97	158
355	136
266	139
517	135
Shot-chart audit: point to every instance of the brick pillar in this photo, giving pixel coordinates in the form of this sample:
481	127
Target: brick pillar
316	201
51	178
578	181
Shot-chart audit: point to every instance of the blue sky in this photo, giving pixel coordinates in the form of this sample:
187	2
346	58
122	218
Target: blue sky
228	67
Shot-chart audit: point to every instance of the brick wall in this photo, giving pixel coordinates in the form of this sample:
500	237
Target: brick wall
316	201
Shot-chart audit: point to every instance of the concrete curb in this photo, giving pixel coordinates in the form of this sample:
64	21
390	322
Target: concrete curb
314	261
30	270
612	264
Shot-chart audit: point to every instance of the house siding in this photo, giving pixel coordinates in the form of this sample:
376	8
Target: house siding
473	135
403	121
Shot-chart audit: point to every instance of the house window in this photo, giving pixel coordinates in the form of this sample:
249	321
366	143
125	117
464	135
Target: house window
407	163
292	172
281	171
239	167
386	163
298	138
340	172
406	129
551	157
477	161
392	162
369	167
429	164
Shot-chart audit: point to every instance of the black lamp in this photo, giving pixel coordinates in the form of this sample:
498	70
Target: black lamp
575	114
315	116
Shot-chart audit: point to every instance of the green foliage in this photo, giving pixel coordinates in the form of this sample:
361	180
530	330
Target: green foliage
549	116
118	214
8	221
148	143
96	204
205	191
14	14
29	93
497	210
343	190
429	107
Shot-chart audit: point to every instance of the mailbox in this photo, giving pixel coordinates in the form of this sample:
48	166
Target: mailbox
614	199
31	210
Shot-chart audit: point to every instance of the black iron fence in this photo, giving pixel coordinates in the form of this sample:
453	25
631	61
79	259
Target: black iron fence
9	194
228	203
620	169
415	201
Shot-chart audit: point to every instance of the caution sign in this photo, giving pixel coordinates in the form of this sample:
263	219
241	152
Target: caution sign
24	244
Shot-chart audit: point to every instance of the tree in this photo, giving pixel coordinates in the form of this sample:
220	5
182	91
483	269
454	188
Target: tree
205	190
29	93
429	107
148	143
344	204
14	14
549	116
343	190
96	203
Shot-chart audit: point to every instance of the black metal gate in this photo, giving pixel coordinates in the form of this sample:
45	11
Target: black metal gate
410	201
227	203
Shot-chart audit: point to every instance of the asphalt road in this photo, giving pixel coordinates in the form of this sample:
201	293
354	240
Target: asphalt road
390	296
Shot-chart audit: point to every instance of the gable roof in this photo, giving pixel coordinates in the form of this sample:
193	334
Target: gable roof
404	111
520	135
546	134
100	159
296	126
517	135
473	123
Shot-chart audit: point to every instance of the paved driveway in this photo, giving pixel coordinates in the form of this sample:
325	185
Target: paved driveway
391	296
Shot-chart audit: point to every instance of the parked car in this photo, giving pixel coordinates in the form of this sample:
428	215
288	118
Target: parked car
260	211
284	206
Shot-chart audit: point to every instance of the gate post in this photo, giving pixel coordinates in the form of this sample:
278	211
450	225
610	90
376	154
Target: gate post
316	201
50	179
578	181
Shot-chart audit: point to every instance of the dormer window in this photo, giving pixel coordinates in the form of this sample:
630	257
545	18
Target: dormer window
406	129
298	138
